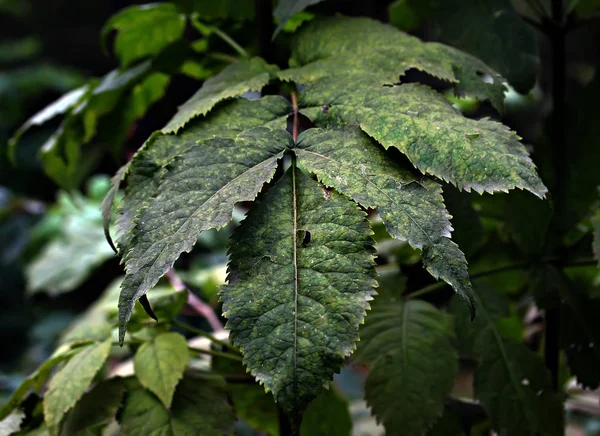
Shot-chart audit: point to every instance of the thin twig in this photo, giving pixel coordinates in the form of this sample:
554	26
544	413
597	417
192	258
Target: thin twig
197	304
202	333
217	353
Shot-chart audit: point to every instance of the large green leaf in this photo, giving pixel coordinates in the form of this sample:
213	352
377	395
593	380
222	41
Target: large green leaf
238	78
199	407
494	27
482	155
71	381
144	30
340	47
511	382
159	364
95	409
142	173
300	278
216	175
412	207
414	364
286	8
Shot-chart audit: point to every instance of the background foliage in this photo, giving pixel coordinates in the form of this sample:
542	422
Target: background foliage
105	75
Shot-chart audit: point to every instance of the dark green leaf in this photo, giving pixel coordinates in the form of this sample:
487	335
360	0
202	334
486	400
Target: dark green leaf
238	78
327	415
144	30
95	409
436	138
411	206
199	407
286	8
381	54
495	33
159	364
71	381
528	220
293	308
414	365
216	175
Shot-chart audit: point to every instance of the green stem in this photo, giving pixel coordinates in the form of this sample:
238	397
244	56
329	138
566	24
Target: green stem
512	267
202	333
229	40
217	353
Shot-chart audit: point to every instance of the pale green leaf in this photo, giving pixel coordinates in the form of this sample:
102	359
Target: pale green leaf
72	380
197	193
200	407
511	382
300	278
286	8
159	364
482	155
12	423
238	78
494	27
411	206
414	365
144	30
327	415
339	47
95	409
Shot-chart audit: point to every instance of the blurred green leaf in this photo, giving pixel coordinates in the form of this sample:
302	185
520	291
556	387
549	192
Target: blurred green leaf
199	407
468	232
144	30
19	50
414	364
286	9
596	245
403	16
160	363
72	380
491	30
95	409
528	221
327	415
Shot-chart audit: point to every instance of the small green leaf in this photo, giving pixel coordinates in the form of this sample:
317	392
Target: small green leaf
414	365
286	8
95	409
217	175
71	381
159	364
511	382
411	206
144	30
381	54
294	309
430	132
327	415
238	78
199	407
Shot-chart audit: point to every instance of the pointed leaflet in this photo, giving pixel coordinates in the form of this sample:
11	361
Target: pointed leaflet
198	192
414	365
72	380
159	364
411	206
200	407
228	120
472	154
300	278
511	382
339	47
144	30
286	8
238	78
